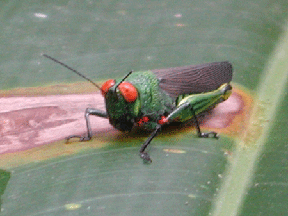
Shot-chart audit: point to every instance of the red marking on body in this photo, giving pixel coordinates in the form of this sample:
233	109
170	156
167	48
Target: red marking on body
163	120
143	120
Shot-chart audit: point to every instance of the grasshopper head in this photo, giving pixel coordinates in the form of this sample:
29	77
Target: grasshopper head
127	90
120	103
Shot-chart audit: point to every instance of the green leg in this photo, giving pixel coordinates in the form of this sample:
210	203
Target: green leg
173	115
188	108
89	111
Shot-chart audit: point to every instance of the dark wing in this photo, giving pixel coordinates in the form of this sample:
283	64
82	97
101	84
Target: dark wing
194	78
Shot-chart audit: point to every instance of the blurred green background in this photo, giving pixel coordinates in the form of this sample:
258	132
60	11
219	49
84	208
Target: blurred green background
106	39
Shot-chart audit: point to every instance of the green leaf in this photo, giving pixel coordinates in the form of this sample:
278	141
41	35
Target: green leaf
4	178
256	148
189	176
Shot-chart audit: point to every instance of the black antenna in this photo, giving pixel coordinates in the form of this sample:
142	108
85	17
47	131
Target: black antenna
61	63
123	79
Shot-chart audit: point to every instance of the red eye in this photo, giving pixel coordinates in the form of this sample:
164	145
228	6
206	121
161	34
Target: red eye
106	86
128	91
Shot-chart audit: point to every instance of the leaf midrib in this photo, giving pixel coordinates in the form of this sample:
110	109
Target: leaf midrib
244	164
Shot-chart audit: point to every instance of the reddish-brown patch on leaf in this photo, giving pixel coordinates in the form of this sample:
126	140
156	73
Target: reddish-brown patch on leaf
231	116
28	122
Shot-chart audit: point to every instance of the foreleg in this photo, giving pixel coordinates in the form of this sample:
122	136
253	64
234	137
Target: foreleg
88	112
